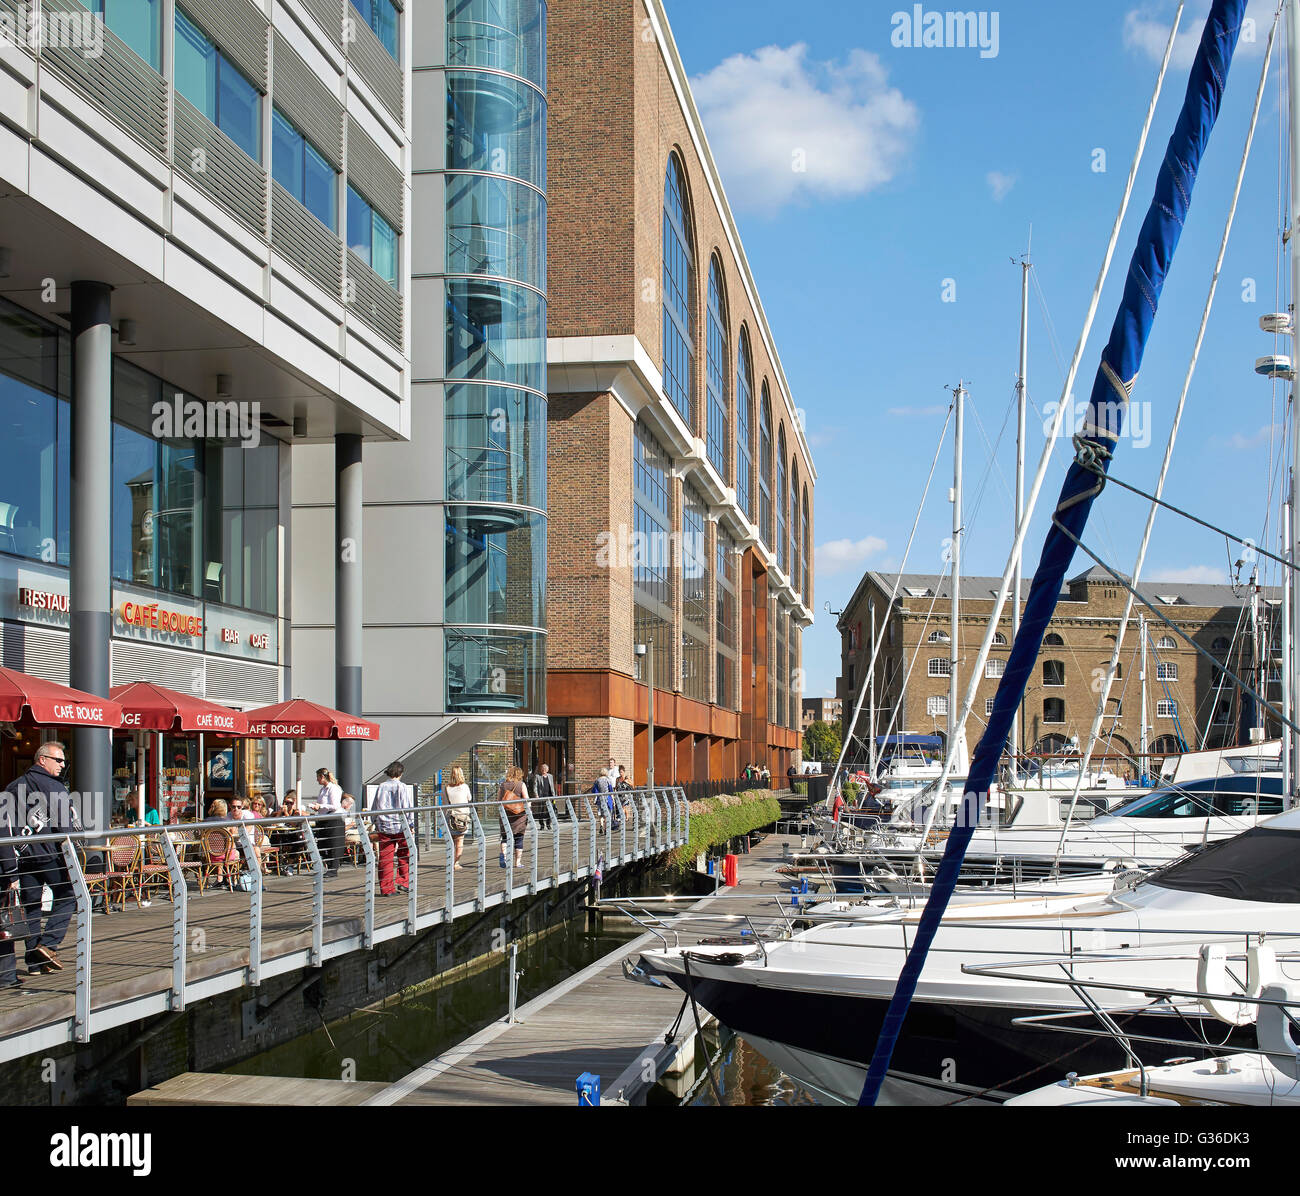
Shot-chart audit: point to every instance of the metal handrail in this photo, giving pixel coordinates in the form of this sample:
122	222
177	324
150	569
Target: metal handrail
83	1021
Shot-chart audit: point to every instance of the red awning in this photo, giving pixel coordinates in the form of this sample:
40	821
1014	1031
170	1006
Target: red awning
52	704
300	719
150	707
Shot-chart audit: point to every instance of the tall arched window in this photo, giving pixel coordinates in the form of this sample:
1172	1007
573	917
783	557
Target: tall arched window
679	270
804	592
782	488
765	467
744	427
794	523
715	373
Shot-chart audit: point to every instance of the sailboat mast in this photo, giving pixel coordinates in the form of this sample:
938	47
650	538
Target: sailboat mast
1142	687
959	402
1293	614
871	688
1287	598
1021	384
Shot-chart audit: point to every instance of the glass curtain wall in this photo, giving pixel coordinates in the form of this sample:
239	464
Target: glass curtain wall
715	374
190	516
494	195
744	428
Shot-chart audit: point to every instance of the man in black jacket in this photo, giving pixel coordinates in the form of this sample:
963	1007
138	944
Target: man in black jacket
45	807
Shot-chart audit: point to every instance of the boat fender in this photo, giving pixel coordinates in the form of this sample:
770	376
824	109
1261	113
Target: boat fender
1212	978
1276	1030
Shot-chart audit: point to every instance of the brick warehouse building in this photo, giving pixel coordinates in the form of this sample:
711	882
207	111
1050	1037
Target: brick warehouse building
679	477
1189	703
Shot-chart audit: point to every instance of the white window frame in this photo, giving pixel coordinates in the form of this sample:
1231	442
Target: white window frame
1166	670
1166	708
1165	641
938	637
939	666
936	706
994	667
988	707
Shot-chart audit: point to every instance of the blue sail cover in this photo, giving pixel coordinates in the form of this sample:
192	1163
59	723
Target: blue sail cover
1120	362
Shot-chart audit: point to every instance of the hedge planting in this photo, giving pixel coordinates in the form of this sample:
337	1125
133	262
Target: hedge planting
715	820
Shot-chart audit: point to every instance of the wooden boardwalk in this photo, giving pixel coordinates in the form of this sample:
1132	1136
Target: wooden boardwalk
132	950
597	1021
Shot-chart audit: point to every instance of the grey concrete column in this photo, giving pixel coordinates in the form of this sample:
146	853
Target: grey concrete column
90	584
347	600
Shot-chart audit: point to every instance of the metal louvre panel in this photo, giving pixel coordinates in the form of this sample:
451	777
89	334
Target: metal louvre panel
118	82
308	102
376	67
374	302
242	682
329	15
239	30
305	241
41	653
372	173
164	666
230	176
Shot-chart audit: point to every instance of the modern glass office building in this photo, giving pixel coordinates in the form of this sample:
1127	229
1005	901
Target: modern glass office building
455	520
203	259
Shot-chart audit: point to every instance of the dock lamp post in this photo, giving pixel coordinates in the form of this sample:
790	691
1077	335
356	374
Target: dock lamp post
647	650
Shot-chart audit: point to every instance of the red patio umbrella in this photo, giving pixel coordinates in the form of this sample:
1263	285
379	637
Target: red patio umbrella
150	707
300	719
49	703
153	707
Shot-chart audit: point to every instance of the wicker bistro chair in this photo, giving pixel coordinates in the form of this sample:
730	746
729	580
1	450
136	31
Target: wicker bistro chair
270	855
123	853
155	875
96	882
218	848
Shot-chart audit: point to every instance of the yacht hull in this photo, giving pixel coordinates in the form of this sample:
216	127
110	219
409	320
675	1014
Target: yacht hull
825	1040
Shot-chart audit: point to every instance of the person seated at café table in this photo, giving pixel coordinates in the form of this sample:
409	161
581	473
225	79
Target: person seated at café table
351	823
290	838
228	863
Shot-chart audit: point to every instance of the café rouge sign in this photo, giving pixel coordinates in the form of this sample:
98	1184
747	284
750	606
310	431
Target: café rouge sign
289	730
214	721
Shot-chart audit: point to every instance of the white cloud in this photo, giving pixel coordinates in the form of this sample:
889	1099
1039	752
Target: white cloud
912	412
1257	440
786	129
1205	575
1000	184
839	556
1146	29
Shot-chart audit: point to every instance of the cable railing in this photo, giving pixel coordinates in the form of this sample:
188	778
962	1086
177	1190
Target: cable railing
262	925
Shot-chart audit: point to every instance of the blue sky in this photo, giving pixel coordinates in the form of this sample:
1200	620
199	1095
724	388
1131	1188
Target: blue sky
926	165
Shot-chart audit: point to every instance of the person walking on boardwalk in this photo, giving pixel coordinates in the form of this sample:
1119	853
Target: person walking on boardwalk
391	830
543	791
456	810
515	798
45	807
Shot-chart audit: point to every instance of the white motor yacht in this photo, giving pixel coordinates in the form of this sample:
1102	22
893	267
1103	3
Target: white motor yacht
813	1003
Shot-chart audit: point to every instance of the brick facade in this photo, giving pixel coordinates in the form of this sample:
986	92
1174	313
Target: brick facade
618	110
1188	706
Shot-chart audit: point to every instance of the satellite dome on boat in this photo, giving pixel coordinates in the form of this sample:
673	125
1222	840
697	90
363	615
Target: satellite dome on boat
1278	322
1275	365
